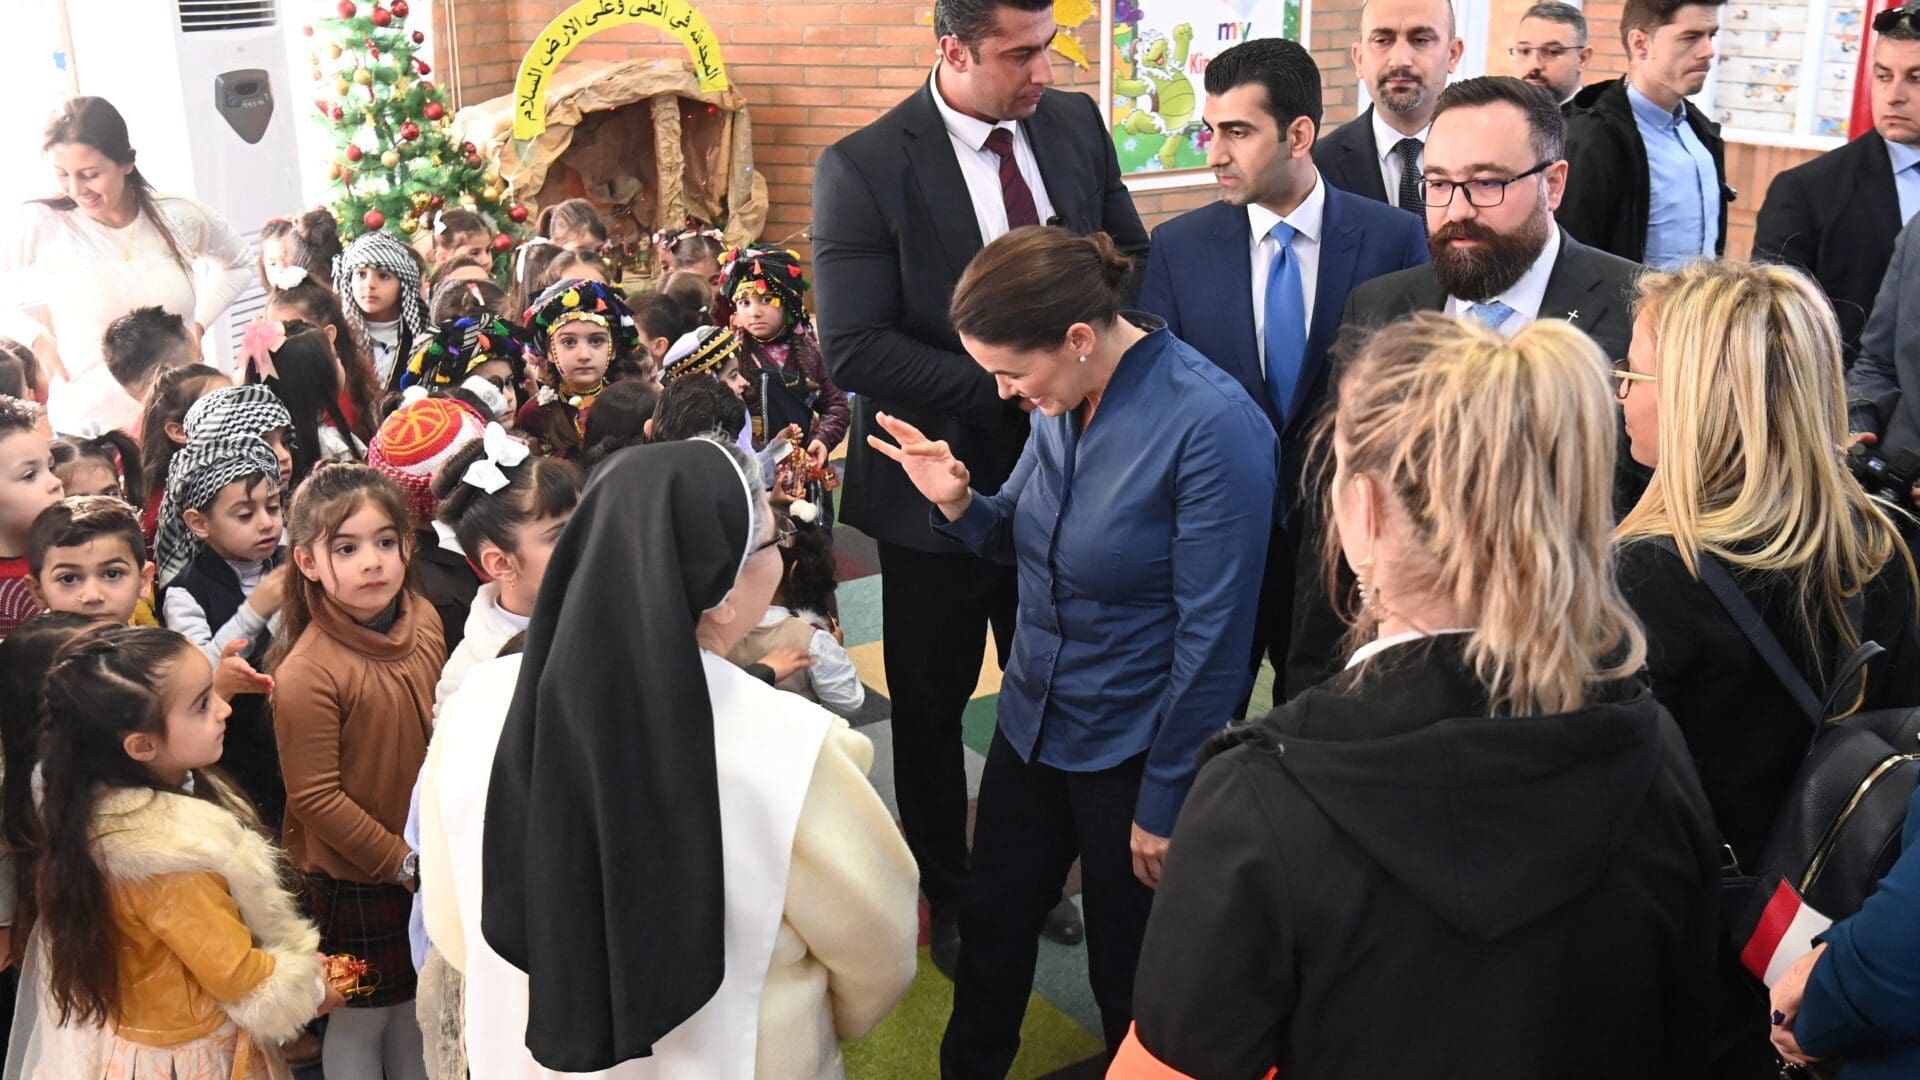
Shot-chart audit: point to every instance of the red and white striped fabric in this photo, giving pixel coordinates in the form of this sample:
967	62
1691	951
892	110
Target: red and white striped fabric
1785	933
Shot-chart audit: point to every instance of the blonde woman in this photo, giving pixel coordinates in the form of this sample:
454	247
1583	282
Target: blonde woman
1480	850
1733	394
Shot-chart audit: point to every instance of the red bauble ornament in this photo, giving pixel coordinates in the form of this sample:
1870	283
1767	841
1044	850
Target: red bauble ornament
422	65
436	202
434	110
517	212
307	30
382	17
334	112
353	153
400	9
469	149
347	10
502	242
373	53
409	131
373	219
418	37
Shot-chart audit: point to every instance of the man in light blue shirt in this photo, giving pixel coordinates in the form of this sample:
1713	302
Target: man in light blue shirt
1684	185
1646	169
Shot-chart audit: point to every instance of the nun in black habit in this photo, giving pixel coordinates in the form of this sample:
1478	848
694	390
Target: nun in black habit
648	862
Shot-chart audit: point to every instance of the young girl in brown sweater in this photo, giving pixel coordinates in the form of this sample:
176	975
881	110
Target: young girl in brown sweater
354	670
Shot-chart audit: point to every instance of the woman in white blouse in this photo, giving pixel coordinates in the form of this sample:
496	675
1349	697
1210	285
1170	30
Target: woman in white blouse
106	245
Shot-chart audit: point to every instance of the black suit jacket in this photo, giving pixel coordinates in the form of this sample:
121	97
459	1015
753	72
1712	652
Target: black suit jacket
1589	288
1349	159
893	229
1836	217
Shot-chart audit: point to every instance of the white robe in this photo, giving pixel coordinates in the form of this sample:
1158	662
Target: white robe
765	745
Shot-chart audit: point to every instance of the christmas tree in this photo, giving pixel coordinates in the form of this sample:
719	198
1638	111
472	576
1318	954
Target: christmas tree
394	163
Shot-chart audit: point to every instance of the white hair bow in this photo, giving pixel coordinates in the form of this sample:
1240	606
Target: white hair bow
502	451
287	277
494	398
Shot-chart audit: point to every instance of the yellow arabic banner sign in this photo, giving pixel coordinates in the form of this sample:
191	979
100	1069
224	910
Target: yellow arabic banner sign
589	17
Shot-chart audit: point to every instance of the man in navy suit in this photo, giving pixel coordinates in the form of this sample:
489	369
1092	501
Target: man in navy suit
1257	281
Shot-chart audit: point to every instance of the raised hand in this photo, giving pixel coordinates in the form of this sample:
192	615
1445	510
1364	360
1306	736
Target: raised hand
930	464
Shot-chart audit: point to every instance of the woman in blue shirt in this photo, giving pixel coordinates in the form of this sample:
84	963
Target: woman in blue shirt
1137	520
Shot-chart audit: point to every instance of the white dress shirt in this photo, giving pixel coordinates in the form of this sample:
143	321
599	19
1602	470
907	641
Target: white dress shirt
1526	295
981	166
1384	140
1306	220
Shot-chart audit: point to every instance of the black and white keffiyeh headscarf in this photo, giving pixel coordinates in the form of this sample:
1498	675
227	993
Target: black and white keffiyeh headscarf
382	252
194	481
247	409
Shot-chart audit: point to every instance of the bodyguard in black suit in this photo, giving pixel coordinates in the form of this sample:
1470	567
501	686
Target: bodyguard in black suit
1836	216
899	209
1498	258
1405	52
1264	106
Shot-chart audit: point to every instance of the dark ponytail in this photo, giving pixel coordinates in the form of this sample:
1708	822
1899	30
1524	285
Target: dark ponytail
105	685
26	655
1025	289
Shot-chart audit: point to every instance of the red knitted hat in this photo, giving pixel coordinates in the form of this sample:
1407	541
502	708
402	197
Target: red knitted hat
412	443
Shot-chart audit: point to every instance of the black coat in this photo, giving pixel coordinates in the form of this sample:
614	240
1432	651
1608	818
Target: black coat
1836	217
1744	732
448	582
1608	190
1381	881
1349	159
893	229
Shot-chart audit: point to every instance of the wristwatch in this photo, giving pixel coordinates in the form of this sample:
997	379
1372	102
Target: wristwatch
409	869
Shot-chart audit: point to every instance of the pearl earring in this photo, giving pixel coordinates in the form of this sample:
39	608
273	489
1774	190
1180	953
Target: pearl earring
1083	359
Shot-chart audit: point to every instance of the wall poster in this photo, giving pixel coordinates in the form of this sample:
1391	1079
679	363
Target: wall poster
1157	53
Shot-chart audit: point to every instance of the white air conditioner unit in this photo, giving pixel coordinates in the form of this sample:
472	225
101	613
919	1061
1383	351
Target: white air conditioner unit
203	85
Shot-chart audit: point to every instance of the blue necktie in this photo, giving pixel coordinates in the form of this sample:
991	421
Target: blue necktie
1492	313
1285	332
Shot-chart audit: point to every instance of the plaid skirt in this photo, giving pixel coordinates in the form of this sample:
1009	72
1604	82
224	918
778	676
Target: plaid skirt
368	922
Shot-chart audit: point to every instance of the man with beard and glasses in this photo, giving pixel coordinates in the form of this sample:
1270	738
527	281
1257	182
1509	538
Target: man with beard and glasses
1495	171
1646	169
1267	318
1405	52
1552	51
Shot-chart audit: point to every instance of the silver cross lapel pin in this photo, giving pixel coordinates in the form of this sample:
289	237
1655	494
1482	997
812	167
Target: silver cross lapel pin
1574	315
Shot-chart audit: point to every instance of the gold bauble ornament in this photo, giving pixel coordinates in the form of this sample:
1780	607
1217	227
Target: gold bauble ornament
362	76
341	86
333	170
390	158
491	193
333	52
408	226
492	178
401	85
419	200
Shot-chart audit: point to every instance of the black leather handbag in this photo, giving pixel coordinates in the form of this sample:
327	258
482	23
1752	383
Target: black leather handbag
1839	832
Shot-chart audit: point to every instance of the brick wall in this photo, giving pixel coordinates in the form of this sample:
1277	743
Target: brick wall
814	72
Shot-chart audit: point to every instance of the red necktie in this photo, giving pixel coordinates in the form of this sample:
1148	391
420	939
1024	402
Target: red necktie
1013	187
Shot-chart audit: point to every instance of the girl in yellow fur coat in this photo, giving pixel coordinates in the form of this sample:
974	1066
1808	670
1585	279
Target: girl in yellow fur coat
170	946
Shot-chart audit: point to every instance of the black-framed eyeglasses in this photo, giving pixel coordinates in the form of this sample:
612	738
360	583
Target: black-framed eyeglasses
1548	53
1623	372
1907	14
1481	194
782	538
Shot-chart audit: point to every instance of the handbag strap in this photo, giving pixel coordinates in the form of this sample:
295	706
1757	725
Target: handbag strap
1747	617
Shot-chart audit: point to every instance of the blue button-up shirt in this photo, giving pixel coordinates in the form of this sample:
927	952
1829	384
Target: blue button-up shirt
1140	545
1683	207
1906	177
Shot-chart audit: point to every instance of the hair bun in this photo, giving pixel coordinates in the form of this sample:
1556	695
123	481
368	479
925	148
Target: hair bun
1115	264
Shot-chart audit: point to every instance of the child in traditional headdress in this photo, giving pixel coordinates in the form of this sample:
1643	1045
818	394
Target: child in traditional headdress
586	337
378	281
768	292
485	356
